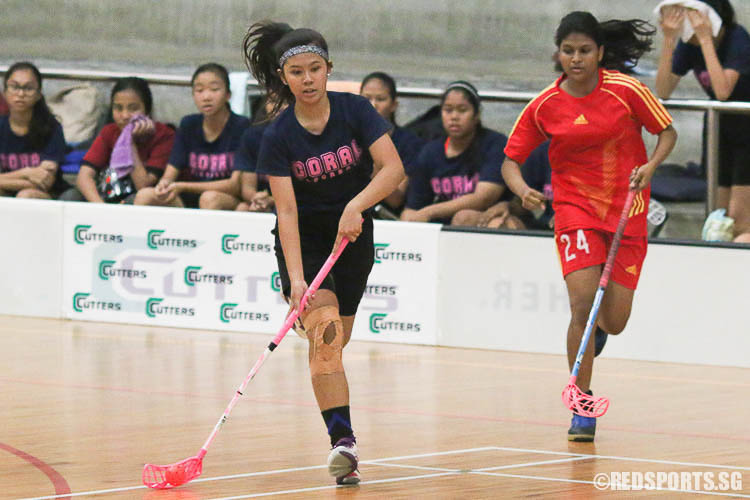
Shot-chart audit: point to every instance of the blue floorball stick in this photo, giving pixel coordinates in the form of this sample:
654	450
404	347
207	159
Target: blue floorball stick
573	397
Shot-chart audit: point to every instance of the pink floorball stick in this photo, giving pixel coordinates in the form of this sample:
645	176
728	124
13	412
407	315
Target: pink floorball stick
168	476
573	397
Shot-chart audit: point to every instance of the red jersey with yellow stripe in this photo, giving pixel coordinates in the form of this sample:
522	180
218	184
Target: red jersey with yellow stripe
595	142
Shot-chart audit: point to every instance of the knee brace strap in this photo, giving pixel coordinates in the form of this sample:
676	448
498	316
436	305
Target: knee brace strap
326	334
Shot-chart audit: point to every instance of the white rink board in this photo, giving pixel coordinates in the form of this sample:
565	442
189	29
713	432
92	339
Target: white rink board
31	252
218	271
501	292
690	306
171	267
400	301
463	289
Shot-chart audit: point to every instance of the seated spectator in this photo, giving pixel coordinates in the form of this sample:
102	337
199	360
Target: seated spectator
461	171
32	145
151	144
380	89
255	193
722	66
511	214
199	173
537	173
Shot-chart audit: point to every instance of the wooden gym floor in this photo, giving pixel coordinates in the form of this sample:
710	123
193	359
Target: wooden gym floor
85	405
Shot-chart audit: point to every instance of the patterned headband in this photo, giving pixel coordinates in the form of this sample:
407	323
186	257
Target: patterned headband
302	49
465	87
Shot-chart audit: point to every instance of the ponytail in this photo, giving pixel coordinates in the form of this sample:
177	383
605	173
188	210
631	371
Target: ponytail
261	59
42	121
263	46
625	42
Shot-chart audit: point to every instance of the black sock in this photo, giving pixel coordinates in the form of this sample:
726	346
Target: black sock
599	329
587	406
338	423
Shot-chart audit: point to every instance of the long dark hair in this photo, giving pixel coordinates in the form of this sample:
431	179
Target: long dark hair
388	82
625	42
469	91
137	85
218	70
263	45
42	121
725	11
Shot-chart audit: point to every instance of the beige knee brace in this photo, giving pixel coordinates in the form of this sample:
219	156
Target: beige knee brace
326	334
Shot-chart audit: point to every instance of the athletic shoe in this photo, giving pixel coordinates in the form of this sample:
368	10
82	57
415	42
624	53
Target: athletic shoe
582	429
343	461
600	338
349	479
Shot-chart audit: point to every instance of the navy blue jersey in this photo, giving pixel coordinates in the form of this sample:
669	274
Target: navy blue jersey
408	146
437	178
329	169
246	158
733	53
17	153
200	160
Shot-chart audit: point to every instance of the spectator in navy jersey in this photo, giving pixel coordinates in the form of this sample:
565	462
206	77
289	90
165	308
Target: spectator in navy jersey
380	89
199	173
510	214
461	171
255	194
32	145
151	143
722	66
319	156
537	173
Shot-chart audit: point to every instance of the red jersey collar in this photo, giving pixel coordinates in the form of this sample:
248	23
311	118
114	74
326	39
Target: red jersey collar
598	84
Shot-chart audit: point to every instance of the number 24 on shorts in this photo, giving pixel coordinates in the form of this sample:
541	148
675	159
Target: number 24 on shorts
581	243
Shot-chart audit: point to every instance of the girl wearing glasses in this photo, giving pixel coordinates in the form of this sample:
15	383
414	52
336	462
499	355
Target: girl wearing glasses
31	140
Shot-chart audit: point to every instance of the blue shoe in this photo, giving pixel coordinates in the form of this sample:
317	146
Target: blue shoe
600	339
582	429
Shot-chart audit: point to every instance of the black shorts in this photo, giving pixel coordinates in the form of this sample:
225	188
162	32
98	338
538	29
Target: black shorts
734	150
190	200
348	278
734	164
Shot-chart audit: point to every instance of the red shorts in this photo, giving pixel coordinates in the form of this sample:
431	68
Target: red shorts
582	248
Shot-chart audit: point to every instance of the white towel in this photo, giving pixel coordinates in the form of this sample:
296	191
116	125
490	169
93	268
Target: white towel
238	87
687	28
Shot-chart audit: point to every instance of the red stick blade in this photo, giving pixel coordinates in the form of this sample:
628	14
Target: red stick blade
583	404
163	477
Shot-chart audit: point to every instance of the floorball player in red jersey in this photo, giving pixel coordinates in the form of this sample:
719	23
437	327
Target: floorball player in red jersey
593	116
